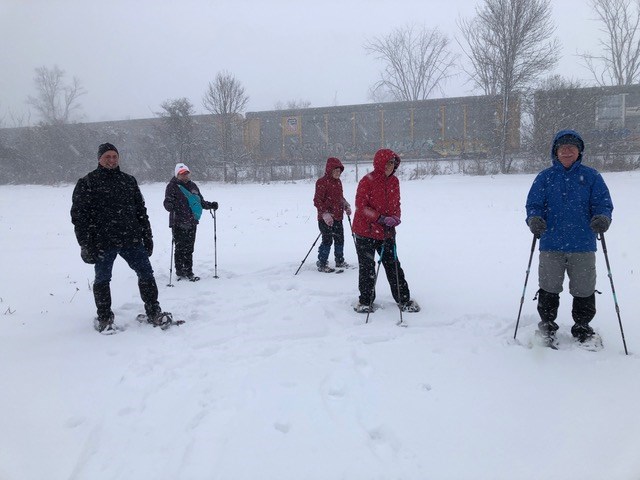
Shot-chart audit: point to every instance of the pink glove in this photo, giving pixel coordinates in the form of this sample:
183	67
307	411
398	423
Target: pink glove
328	218
347	209
392	221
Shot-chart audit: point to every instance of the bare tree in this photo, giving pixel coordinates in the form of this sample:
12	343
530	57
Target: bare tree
619	63
417	61
178	128
558	82
55	100
484	73
225	95
225	98
292	105
509	46
379	95
542	117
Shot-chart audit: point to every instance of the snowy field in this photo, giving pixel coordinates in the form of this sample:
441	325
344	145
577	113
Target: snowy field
274	376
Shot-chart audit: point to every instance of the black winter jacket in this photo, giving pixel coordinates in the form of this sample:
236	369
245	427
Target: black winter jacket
176	203
108	211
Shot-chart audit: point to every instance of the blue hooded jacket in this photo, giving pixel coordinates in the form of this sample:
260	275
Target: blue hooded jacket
567	199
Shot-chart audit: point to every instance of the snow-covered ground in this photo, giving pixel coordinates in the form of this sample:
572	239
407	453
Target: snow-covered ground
275	377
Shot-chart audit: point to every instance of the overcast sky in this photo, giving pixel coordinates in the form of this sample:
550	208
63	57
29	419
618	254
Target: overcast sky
132	55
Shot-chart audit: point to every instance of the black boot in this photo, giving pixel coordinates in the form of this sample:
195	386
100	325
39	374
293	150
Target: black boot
104	321
548	309
149	296
102	296
584	309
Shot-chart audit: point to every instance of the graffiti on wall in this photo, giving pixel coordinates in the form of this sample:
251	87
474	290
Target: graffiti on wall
429	148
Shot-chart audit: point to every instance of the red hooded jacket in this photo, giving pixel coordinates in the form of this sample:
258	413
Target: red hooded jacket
377	195
329	197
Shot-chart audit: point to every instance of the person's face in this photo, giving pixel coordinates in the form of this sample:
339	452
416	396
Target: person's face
568	154
184	177
335	173
109	159
389	167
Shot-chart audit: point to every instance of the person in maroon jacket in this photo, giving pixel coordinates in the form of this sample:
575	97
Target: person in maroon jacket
331	204
374	226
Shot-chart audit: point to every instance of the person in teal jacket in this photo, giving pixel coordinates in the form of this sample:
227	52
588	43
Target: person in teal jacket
567	206
184	202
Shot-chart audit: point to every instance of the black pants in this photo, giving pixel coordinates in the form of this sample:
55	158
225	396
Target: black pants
185	239
148	292
366	249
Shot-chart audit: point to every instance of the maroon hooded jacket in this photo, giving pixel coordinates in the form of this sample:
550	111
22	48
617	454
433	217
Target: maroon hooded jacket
377	195
329	197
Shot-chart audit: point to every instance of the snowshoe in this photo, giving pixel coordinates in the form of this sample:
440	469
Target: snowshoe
163	320
591	342
411	306
363	308
191	277
343	265
547	339
105	326
324	268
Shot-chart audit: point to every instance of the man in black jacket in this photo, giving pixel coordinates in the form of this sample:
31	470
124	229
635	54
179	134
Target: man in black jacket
110	219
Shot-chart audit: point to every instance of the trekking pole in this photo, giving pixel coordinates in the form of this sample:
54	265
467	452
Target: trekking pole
353	235
613	290
375	280
305	257
395	258
171	261
215	246
526	278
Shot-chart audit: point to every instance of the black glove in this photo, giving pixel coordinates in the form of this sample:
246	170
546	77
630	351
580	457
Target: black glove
148	245
88	255
168	205
537	225
212	205
600	223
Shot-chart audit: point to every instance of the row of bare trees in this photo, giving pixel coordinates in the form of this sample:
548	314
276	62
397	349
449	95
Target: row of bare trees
509	46
507	43
225	99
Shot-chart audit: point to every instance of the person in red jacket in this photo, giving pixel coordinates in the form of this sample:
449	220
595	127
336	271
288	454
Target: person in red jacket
374	226
331	204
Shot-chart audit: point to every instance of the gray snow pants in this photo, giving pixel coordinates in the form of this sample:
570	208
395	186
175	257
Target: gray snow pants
580	268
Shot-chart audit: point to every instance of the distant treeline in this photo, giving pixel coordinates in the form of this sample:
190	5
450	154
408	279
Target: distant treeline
294	144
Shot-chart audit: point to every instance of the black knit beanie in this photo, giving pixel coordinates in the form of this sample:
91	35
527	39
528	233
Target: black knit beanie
105	147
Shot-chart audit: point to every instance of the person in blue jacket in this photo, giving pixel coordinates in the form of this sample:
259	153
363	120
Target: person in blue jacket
567	206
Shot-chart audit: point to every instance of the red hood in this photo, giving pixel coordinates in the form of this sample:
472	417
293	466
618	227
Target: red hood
332	163
382	157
